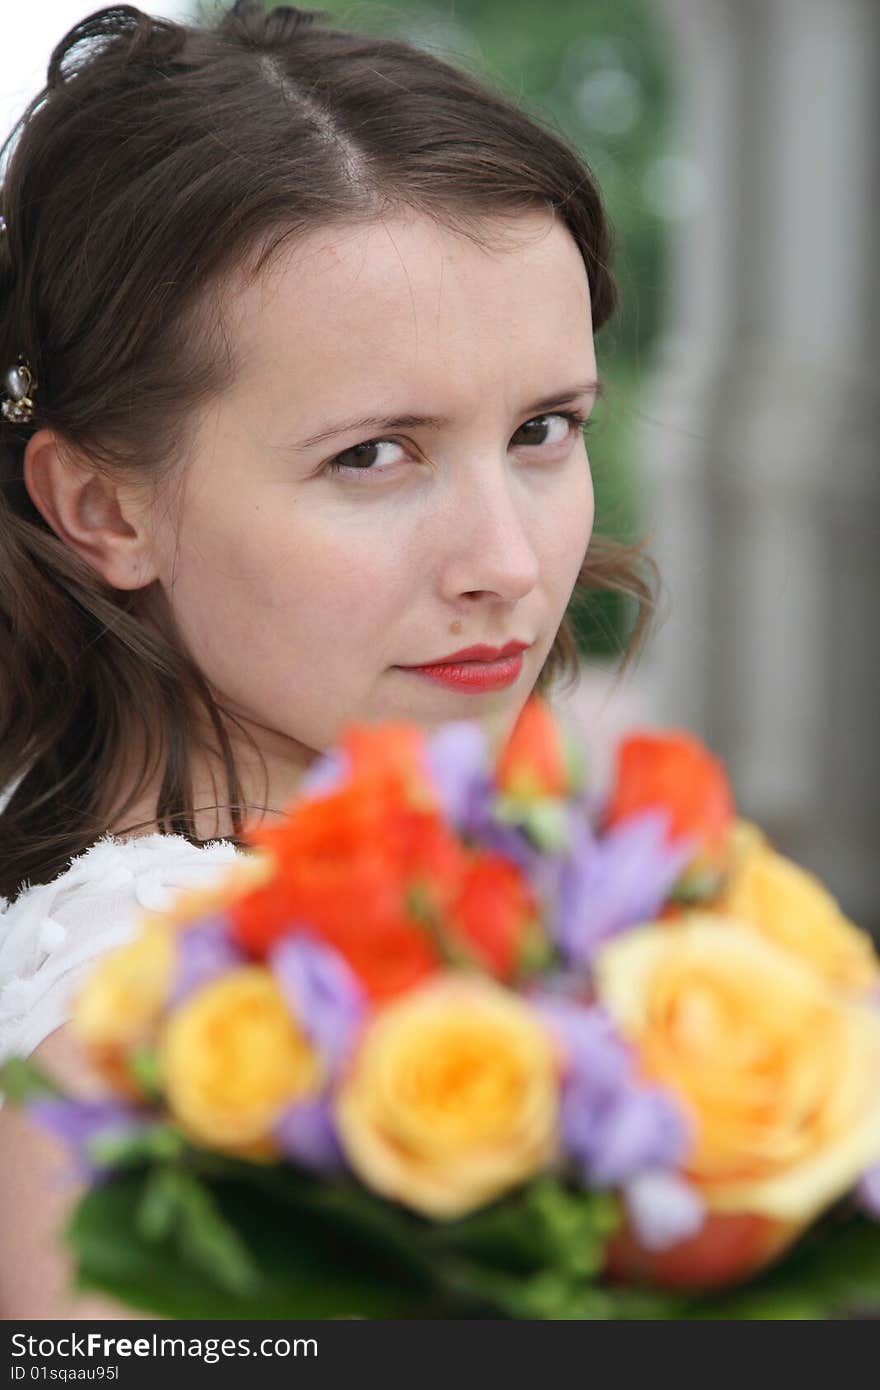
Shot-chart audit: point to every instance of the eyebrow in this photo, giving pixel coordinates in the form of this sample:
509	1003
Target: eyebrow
409	422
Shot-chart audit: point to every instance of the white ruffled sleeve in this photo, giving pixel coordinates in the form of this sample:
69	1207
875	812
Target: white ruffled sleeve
50	933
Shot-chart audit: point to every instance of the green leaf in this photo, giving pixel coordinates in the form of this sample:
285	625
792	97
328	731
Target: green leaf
575	1226
696	886
537	954
169	1240
132	1148
21	1081
204	1236
556	1296
143	1063
547	1294
543	818
124	1238
547	824
531	1254
157	1209
421	909
346	1211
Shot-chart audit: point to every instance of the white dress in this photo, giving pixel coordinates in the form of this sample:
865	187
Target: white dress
50	933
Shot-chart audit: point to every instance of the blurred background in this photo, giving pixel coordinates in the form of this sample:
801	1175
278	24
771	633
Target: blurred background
736	143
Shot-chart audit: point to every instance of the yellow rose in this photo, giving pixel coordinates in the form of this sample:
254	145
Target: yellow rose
451	1097
120	1001
232	1059
790	906
779	1071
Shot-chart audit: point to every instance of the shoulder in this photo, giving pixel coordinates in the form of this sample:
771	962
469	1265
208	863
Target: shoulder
51	932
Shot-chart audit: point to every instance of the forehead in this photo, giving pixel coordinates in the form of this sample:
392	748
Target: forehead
406	298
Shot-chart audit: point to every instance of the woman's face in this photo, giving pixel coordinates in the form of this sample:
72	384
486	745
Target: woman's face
304	575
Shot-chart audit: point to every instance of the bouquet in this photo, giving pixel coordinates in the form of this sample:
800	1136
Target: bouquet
461	1038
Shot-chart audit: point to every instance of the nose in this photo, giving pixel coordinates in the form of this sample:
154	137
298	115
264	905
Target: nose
485	536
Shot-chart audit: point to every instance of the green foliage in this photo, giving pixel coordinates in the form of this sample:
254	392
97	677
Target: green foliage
144	1067
543	819
22	1081
216	1238
125	1148
531	1255
176	1206
169	1242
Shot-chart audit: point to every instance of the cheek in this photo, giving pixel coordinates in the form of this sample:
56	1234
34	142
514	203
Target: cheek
274	586
583	515
566	526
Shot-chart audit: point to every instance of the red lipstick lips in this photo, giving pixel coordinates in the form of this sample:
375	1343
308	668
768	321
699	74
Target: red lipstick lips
475	669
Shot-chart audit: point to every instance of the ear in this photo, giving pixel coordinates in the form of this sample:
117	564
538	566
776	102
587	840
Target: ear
97	518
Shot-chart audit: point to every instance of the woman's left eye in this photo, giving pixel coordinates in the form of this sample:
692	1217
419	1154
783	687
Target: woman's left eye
573	420
361	463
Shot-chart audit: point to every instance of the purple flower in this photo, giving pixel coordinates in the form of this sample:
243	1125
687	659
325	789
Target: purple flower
590	1043
322	993
868	1191
458	762
484	827
460	768
618	1133
663	1209
307	1134
79	1123
614	1125
615	881
327	774
204	953
512	841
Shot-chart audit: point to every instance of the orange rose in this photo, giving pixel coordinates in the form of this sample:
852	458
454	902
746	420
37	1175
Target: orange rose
536	760
674	771
792	907
451	1097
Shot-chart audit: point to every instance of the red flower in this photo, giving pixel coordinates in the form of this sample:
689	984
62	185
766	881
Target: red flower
346	865
393	754
533	761
496	913
676	772
729	1248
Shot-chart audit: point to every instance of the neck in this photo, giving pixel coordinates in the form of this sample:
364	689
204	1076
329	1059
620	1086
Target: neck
265	795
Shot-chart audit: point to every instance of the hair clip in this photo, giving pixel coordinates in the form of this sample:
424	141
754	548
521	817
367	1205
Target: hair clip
18	383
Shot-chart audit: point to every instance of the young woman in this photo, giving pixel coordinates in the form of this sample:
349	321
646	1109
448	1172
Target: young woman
296	328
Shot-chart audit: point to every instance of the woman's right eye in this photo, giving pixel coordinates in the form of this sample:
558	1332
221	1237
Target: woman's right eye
359	456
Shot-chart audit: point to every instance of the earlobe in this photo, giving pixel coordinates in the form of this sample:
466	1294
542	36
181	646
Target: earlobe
88	512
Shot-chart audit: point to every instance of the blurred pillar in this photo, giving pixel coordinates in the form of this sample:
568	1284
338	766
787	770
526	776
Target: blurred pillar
760	439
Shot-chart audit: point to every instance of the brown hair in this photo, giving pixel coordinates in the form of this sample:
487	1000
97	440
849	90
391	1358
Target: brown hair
158	161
